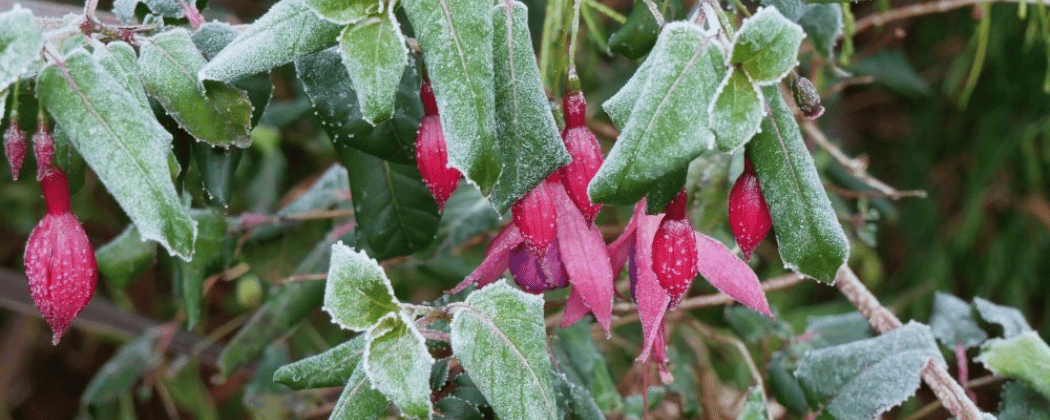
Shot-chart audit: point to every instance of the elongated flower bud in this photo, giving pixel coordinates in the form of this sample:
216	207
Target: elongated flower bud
432	152
674	250
748	214
59	260
806	97
586	156
15	147
535	215
44	152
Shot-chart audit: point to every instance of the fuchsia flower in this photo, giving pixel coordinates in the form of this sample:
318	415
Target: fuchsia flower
748	213
59	260
713	260
432	151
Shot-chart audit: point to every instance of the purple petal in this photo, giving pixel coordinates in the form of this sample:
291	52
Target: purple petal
650	297
525	267
552	267
583	255
496	259
729	274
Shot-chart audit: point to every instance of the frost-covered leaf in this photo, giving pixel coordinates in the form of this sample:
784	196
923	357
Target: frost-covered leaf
357	292
220	115
345	12
729	274
953	322
125	258
134	359
663	132
574	399
217	167
210	38
766	47
862	379
359	400
398	364
336	106
189	276
836	329
455	408
1025	357
289	29
1021	403
121	61
754	406
456	39
619	106
583	255
810	238
396	215
375	55
20	43
126	9
126	147
499	337
736	112
330	368
823	24
528	137
1011	319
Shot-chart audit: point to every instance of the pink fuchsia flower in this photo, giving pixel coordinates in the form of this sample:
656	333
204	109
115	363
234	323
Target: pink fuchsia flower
574	257
586	155
432	151
59	260
714	261
748	213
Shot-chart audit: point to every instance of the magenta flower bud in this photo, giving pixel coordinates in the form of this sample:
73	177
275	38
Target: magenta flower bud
586	156
536	216
748	213
674	250
59	260
44	152
15	147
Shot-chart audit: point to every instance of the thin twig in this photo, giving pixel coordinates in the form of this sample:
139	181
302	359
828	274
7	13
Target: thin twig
920	9
856	167
302	277
605	10
734	342
655	10
935	374
89	9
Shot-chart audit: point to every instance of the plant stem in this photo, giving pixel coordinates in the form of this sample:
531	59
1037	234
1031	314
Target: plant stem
89	9
907	12
605	10
935	374
856	167
655	10
574	30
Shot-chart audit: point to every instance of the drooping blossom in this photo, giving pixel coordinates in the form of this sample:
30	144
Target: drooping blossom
748	213
432	151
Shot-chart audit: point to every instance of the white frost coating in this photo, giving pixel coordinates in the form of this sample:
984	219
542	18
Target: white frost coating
374	54
354	291
953	322
736	114
21	39
345	12
862	379
398	364
359	401
766	46
125	148
289	29
1011	319
530	145
663	132
619	106
499	337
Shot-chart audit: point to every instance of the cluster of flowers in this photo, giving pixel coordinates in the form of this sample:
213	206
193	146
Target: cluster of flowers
553	242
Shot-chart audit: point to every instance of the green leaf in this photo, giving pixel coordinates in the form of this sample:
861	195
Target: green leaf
375	55
189	393
736	112
121	61
953	322
620	105
529	141
210	38
126	9
359	401
169	63
499	337
863	379
663	132
1011	319
1021	403
466	214
823	24
125	147
134	359
892	69
263	398
334	367
785	385
398	364
454	408
345	12
456	39
284	308
190	275
288	30
357	293
637	35
399	215
1024	357
766	46
663	190
335	104
754	406
579	357
217	167
20	44
575	400
810	238
833	330
125	258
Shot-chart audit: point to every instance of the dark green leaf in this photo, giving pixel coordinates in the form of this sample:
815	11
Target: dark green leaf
288	30
212	37
125	258
892	69
575	400
1021	403
331	368
336	106
456	39
190	394
453	408
466	214
529	142
190	275
125	146
262	397
810	238
638	35
785	386
823	24
134	359
217	167
664	190
399	215
585	362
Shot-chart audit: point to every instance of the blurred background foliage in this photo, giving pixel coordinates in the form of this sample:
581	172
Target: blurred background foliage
927	106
